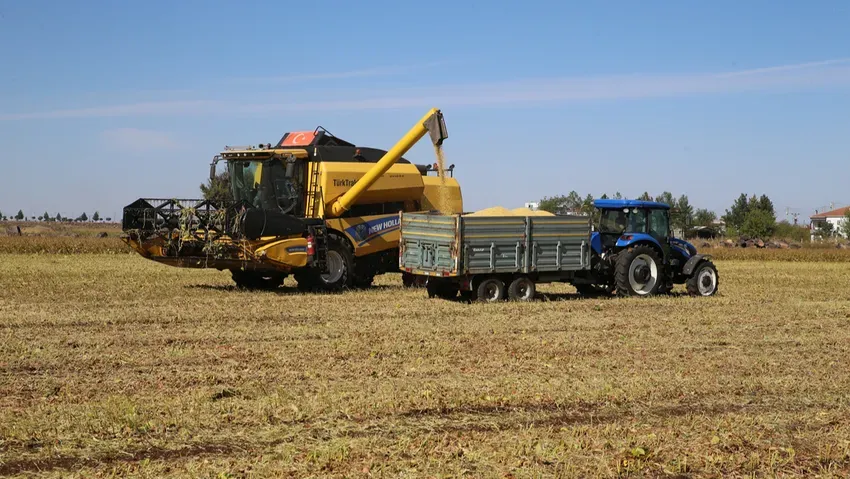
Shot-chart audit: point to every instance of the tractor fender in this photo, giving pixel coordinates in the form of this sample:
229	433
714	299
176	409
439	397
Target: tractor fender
693	262
638	239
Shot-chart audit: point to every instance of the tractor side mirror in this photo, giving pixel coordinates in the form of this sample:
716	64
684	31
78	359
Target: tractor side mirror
212	171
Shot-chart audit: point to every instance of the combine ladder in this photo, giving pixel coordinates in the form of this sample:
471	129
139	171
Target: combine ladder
314	192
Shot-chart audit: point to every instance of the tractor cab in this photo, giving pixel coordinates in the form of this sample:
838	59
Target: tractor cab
623	222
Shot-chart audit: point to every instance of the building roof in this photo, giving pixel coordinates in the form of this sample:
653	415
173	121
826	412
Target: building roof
838	213
608	204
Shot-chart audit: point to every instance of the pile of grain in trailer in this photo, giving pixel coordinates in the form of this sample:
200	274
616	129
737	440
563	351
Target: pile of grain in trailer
501	211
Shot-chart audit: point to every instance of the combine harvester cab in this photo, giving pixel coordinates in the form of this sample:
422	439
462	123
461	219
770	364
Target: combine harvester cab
313	205
631	253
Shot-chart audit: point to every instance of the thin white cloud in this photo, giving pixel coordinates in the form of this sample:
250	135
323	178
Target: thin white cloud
780	68
136	139
366	72
802	76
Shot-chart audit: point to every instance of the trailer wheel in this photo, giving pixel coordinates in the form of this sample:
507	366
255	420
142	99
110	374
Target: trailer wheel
410	280
441	289
490	290
522	289
704	280
638	272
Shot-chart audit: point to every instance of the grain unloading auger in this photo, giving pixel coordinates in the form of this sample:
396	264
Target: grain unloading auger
314	205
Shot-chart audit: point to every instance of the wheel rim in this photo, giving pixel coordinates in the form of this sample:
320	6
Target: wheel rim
523	290
335	267
706	281
643	274
491	290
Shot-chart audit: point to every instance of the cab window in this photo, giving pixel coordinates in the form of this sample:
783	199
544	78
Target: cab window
659	225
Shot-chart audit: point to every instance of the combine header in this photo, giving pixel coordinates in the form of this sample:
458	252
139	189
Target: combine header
313	205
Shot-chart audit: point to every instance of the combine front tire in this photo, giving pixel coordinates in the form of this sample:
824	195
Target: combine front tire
340	269
638	272
704	280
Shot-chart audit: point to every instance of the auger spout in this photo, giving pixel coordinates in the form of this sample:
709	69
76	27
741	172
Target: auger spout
432	123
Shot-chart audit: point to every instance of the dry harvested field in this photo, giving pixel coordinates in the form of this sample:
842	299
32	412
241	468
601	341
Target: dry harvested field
115	366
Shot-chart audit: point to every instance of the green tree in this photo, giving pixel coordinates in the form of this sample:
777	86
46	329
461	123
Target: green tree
765	204
95	216
683	214
588	209
703	217
58	217
825	229
845	224
645	196
20	216
83	217
46	216
217	189
735	216
604	196
561	205
787	231
758	224
666	198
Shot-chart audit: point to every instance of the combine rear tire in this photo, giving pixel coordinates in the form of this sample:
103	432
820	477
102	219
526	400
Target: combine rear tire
257	279
490	290
340	269
521	289
704	280
638	272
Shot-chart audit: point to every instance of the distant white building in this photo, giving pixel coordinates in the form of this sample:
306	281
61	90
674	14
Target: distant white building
534	205
834	217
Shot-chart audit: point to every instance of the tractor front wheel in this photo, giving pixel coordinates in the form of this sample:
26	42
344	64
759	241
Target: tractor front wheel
638	272
704	280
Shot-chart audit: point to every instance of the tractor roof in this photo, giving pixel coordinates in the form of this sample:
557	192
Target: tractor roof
614	204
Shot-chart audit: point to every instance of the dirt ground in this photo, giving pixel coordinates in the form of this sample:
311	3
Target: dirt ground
116	366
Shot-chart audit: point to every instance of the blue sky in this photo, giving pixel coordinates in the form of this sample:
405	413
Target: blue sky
104	102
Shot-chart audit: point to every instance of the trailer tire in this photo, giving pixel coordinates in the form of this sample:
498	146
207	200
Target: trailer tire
490	290
638	272
522	288
441	289
704	280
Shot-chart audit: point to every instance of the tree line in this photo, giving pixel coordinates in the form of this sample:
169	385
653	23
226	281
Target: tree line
749	215
683	216
20	216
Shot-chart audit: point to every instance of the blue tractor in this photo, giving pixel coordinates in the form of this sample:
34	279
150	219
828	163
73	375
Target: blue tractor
635	254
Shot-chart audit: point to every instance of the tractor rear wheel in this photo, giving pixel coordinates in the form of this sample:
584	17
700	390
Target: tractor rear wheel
704	280
257	279
638	272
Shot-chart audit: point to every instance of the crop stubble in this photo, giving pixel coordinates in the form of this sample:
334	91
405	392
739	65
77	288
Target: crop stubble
116	365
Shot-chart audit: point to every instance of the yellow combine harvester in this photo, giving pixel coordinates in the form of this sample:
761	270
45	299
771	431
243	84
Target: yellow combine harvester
313	205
